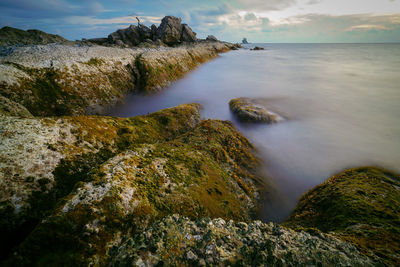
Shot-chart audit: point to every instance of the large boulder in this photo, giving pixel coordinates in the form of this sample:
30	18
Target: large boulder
187	34
249	111
131	36
170	30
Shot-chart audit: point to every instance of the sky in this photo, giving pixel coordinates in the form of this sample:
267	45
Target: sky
279	21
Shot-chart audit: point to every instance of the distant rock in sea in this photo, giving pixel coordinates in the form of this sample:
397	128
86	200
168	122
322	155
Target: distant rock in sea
13	36
244	41
248	111
257	48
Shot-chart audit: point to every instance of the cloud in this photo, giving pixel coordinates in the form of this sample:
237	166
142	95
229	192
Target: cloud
366	27
313	2
265	5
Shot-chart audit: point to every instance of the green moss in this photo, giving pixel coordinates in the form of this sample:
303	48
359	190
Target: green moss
94	61
360	205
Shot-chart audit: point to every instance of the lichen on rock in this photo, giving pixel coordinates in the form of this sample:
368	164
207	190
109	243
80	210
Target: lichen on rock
177	241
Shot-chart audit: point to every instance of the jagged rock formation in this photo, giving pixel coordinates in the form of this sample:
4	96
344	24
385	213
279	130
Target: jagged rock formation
178	241
13	36
70	80
131	36
71	187
360	206
249	111
170	32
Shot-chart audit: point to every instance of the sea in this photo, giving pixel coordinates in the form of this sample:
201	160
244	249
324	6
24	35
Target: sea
341	104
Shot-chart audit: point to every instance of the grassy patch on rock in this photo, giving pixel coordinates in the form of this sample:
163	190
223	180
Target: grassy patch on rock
360	205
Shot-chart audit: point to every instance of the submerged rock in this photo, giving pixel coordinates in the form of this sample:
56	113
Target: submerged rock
358	205
13	36
179	241
249	111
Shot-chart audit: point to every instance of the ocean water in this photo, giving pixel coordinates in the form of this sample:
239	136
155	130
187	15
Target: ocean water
341	103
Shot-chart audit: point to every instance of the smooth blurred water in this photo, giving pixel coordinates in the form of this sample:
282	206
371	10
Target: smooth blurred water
342	102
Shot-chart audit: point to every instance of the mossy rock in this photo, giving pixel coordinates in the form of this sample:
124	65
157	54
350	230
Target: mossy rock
360	205
148	167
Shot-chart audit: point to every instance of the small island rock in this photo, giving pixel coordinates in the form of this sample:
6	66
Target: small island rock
257	48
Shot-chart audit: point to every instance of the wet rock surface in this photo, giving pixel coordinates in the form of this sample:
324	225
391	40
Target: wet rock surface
248	110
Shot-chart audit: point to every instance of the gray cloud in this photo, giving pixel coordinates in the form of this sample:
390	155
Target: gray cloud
265	5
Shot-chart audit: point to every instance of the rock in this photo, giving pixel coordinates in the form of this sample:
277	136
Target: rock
188	35
359	206
255	245
170	30
113	178
131	36
257	48
41	79
13	36
98	41
248	111
244	41
10	108
153	29
211	38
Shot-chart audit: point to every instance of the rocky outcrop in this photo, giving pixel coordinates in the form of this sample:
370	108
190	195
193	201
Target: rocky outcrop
188	35
249	111
170	32
13	36
178	241
211	38
244	41
359	206
75	185
72	80
131	36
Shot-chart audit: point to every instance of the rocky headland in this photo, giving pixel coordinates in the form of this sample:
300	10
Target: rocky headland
168	188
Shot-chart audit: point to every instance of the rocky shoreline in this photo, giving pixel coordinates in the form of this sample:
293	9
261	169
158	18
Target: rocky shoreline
166	188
